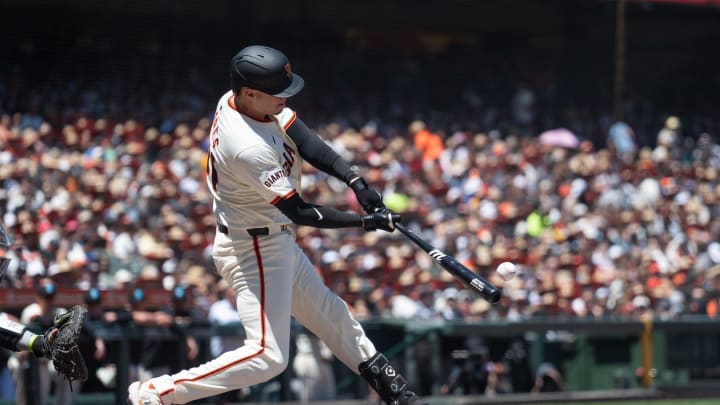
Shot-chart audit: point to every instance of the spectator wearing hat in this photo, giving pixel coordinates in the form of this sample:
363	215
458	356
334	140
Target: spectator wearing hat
144	320
91	346
165	328
186	314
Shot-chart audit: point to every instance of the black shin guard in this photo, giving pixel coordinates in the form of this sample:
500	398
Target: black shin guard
386	381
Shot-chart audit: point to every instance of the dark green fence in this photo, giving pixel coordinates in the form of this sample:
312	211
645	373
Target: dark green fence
591	354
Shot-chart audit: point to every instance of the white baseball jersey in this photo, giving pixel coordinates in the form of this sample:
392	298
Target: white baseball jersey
251	165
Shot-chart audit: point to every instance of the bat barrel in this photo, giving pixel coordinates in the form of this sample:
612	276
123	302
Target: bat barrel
475	282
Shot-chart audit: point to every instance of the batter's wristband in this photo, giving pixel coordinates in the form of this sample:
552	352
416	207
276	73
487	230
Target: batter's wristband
351	178
39	348
358	184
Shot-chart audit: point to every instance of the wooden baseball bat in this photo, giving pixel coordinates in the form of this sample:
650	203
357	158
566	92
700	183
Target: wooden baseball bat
449	263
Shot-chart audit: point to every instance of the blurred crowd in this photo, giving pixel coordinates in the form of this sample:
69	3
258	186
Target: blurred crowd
622	219
597	230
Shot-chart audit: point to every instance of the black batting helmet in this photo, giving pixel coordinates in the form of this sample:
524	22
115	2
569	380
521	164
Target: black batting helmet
265	69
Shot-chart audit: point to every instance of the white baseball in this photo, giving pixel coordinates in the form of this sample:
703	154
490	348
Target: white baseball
507	271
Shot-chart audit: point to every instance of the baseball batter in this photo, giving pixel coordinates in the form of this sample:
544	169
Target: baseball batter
257	146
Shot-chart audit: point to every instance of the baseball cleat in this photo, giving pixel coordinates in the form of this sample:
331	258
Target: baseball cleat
143	394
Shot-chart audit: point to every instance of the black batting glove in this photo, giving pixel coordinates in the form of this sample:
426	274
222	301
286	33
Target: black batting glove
369	198
383	219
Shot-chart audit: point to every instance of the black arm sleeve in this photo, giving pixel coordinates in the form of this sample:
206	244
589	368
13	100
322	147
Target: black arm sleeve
316	152
303	213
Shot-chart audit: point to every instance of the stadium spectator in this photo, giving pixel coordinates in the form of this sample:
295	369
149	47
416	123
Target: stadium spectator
548	379
91	346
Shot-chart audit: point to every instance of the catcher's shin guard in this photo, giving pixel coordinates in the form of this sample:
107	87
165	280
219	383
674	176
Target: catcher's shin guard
387	382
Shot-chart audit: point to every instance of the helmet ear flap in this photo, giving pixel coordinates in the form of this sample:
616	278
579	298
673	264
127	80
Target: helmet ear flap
237	80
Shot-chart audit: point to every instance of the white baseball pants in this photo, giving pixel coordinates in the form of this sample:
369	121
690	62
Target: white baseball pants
272	279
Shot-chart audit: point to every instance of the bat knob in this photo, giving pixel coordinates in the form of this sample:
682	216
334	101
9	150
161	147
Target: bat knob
494	296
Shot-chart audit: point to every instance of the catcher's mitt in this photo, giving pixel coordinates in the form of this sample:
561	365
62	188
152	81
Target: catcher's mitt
63	350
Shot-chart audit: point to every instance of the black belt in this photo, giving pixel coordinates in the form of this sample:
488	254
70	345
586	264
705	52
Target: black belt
264	231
